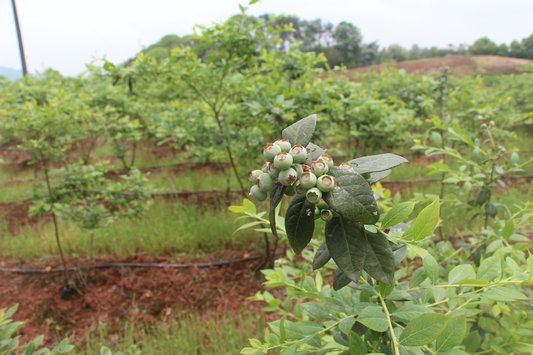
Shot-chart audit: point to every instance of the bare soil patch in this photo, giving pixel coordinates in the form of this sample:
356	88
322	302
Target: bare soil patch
113	296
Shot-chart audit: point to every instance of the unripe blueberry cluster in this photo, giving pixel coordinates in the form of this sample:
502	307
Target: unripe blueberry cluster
286	165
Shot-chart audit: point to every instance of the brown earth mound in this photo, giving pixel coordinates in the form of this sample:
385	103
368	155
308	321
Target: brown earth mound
112	296
459	65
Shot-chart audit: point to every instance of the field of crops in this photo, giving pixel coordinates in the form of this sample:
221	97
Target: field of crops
126	223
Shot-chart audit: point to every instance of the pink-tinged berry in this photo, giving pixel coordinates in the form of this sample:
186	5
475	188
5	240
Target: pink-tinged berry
319	167
308	180
270	150
325	183
283	161
299	153
265	182
284	145
257	194
254	174
328	159
287	177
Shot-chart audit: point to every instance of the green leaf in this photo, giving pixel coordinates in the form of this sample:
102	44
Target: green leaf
461	272
322	256
356	344
346	325
300	132
409	312
418	277
313	152
275	198
352	198
425	223
452	335
504	294
489	269
377	176
346	243
300	222
374	163
431	267
340	279
423	329
379	259
397	214
373	318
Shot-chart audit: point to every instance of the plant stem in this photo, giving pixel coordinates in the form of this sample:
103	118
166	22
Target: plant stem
229	152
394	339
54	217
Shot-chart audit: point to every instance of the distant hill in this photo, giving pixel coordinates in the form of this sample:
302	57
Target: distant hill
459	65
10	73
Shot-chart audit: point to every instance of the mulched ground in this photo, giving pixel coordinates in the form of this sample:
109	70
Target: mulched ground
112	296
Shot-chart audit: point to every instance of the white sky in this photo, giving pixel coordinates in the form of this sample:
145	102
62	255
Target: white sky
66	34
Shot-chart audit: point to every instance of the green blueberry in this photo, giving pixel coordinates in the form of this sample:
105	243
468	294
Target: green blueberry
299	153
326	214
328	159
257	194
254	174
265	182
319	167
308	180
313	195
270	150
299	169
283	161
306	168
287	177
325	183
284	145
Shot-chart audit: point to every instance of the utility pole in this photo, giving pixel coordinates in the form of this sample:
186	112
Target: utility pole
19	36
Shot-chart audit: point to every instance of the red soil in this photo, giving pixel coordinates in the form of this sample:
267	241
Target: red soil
459	65
112	296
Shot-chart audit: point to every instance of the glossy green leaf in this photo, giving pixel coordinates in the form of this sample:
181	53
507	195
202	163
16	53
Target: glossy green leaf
452	335
322	256
431	267
461	272
423	329
397	214
300	222
373	318
340	279
409	312
346	243
353	198
379	259
425	223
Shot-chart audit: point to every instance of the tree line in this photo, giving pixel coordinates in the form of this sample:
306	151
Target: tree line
343	44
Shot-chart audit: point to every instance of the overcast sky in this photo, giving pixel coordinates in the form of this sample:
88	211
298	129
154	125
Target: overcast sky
66	34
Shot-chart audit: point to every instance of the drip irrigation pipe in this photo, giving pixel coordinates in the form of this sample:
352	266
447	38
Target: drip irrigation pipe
121	265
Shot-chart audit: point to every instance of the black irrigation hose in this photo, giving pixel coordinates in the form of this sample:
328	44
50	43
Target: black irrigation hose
203	265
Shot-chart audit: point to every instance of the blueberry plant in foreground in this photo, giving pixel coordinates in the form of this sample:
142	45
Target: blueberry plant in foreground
394	290
340	195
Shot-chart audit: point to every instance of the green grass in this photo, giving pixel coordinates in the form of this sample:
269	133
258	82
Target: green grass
193	181
190	334
166	229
